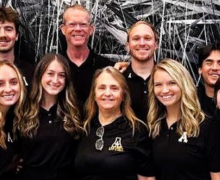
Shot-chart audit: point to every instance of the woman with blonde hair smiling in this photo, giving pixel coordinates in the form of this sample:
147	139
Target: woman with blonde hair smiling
116	145
12	95
184	140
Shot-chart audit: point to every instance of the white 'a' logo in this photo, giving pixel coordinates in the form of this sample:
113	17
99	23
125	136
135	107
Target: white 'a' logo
183	138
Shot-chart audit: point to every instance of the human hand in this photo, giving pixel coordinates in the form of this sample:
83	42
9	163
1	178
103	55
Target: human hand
121	66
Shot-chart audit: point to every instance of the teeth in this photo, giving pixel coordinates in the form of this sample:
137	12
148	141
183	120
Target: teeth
166	97
53	87
108	99
8	97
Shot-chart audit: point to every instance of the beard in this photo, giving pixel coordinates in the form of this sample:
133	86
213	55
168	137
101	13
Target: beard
142	58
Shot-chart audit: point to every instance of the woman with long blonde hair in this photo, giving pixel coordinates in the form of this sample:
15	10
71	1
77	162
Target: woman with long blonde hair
12	96
116	145
184	140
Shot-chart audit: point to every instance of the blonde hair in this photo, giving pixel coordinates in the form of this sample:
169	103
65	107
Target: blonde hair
91	108
77	7
145	23
17	107
191	114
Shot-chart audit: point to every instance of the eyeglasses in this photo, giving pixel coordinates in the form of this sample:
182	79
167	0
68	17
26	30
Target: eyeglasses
74	25
99	144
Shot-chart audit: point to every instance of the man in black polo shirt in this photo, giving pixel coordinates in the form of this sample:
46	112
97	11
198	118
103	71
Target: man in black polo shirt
9	35
77	29
209	70
141	44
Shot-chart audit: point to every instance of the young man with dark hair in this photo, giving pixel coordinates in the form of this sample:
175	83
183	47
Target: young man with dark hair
209	70
9	35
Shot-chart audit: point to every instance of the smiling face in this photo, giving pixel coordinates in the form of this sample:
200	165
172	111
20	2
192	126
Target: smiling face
8	36
9	87
142	43
77	28
166	89
210	69
108	93
53	79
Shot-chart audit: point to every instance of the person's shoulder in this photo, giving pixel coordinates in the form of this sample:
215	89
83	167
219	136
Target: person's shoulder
201	90
210	124
101	60
128	71
22	64
142	128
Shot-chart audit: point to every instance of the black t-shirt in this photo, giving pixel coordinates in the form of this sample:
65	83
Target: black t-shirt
138	92
50	152
207	103
110	163
82	75
191	160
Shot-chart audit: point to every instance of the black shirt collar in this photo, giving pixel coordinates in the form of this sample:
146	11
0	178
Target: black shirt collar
90	60
119	123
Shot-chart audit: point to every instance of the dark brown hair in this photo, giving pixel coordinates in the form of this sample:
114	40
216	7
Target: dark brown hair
8	14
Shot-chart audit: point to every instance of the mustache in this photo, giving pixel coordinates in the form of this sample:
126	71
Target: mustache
3	38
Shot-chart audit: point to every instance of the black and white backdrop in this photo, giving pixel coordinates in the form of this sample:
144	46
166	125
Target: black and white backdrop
183	25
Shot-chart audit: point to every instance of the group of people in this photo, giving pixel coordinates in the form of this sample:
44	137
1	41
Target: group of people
85	117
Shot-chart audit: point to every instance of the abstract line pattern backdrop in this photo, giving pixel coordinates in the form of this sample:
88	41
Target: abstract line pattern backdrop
183	25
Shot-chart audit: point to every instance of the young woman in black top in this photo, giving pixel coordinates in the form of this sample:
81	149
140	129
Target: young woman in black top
185	142
50	127
12	95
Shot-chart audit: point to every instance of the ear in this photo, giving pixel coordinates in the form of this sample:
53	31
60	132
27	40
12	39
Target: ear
200	71
17	36
156	46
127	47
63	29
92	29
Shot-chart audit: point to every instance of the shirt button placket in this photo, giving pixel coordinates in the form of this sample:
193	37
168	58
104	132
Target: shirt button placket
50	121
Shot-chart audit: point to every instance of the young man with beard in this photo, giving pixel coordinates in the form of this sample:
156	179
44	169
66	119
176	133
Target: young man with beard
9	35
209	70
142	42
77	29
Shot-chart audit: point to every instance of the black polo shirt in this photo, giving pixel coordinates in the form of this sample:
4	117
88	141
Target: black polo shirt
112	164
192	160
82	75
138	92
51	152
217	114
6	155
207	103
